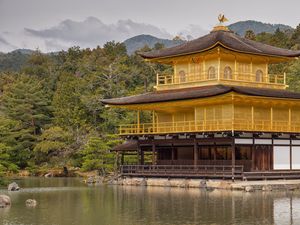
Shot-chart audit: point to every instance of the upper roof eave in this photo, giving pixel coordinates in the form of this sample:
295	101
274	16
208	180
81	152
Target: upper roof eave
226	39
215	46
197	93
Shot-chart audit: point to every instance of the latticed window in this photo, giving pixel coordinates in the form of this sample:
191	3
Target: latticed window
182	77
244	68
259	76
211	73
227	73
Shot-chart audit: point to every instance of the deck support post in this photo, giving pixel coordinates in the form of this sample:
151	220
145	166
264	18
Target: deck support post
122	158
172	154
153	153
252	157
142	157
233	157
215	153
139	157
195	152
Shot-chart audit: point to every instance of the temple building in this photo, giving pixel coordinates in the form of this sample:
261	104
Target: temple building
221	114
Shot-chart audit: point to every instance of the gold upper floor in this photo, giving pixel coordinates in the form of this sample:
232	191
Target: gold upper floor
221	66
229	112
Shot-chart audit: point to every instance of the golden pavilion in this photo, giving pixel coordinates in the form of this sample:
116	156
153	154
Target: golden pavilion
221	114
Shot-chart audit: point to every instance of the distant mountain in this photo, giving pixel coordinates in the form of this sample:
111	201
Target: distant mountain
258	27
13	61
138	42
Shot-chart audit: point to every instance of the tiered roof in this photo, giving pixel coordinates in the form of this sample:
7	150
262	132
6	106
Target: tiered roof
225	38
199	92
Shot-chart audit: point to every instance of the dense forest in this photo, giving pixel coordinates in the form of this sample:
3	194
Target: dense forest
51	115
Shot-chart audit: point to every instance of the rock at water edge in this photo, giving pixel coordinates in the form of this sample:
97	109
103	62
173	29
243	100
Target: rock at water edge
13	187
4	201
31	202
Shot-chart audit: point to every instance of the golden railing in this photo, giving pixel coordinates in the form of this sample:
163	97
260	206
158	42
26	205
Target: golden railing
209	125
272	79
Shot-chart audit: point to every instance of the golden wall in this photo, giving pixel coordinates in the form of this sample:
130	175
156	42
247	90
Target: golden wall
254	116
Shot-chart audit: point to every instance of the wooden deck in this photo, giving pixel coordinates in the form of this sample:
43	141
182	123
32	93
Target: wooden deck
184	171
205	172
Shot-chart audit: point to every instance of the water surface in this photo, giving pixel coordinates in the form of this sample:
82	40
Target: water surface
67	201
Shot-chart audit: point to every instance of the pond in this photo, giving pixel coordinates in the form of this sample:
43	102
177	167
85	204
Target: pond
68	201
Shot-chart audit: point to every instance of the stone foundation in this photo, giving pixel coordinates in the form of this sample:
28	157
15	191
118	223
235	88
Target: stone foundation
247	186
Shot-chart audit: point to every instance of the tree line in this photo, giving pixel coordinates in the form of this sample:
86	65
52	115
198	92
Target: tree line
51	115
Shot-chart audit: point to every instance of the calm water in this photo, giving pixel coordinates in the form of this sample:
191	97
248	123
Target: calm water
64	201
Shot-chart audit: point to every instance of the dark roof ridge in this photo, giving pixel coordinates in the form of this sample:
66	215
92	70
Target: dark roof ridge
200	92
226	39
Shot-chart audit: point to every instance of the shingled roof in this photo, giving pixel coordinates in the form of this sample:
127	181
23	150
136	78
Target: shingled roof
129	145
226	39
199	92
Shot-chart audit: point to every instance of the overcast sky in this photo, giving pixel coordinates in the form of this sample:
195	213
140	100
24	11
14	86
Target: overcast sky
51	25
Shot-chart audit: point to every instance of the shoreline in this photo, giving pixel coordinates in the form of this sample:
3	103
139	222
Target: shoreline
247	186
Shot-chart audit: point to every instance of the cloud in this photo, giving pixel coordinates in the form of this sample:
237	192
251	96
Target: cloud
5	45
192	31
92	32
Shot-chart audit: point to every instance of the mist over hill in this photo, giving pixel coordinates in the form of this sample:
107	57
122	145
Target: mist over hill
257	27
138	42
14	60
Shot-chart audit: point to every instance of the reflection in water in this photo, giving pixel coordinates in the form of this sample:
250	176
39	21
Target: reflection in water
287	211
69	202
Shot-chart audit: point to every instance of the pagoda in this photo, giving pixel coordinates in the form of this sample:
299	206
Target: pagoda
221	114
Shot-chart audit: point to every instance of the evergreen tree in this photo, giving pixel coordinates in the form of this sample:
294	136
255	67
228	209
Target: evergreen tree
96	154
25	102
249	34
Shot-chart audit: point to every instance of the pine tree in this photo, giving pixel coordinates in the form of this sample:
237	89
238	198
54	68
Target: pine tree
25	102
249	34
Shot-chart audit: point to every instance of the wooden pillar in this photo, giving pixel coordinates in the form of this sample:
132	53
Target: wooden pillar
204	117
214	153
271	118
235	69
252	157
284	78
195	152
291	154
267	72
252	117
233	158
153	121
172	154
175	73
219	64
153	153
142	157
290	120
139	154
138	121
122	158
204	69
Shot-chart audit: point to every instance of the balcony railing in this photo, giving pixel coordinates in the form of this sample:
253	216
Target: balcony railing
220	171
209	125
248	78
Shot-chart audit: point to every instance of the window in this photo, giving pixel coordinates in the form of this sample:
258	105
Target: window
227	73
182	76
281	158
296	158
211	73
259	76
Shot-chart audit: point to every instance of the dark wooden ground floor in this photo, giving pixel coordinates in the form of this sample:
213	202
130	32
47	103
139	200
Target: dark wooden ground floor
215	157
